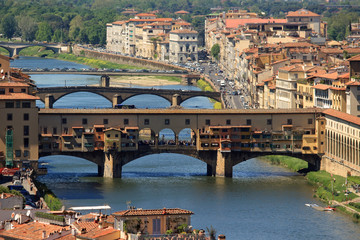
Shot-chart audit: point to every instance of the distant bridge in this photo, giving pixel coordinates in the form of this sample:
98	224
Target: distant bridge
15	48
117	95
108	73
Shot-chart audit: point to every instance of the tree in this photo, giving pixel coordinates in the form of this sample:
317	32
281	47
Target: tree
44	33
8	26
28	27
215	51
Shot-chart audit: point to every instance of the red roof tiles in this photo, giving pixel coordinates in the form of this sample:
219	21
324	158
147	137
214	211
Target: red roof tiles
342	115
234	23
302	13
18	96
321	86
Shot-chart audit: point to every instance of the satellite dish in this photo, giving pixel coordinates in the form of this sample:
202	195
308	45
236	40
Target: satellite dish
3	77
2	71
28	213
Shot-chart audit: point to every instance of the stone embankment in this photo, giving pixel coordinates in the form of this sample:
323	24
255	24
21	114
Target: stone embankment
121	59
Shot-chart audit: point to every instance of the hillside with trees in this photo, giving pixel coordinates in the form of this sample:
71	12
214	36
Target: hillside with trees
84	21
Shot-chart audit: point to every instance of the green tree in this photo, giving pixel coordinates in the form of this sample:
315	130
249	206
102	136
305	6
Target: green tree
215	51
27	27
44	33
8	26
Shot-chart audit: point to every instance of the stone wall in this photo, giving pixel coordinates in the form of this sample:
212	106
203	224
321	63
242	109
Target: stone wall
338	168
120	59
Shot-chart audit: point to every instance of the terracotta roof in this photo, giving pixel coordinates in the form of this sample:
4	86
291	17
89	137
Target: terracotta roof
13	84
18	96
321	86
88	226
355	58
302	13
342	115
234	23
46	135
182	12
260	84
98	126
98	232
152	212
151	20
78	127
353	83
6	195
183	31
32	230
145	15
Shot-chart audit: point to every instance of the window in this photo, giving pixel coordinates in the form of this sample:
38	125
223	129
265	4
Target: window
193	49
26	153
358	88
358	97
84	121
54	130
9	117
289	121
64	121
26	104
11	90
23	90
207	122
106	121
126	121
17	153
269	121
310	121
181	49
358	107
248	121
26	117
45	130
167	121
17	104
116	135
26	142
187	121
146	121
228	122
26	130
9	104
2	91
108	135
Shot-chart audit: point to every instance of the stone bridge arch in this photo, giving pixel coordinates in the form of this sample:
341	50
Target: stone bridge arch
120	98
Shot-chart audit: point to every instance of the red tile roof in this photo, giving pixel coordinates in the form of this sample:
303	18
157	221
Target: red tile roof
342	115
13	84
183	31
353	83
182	12
234	23
145	15
18	96
302	13
321	86
31	231
355	58
152	212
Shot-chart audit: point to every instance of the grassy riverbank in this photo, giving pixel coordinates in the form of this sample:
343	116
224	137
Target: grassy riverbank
291	163
38	51
51	200
205	86
328	188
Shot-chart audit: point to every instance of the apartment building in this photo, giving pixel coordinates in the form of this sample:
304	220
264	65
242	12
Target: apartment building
147	36
18	118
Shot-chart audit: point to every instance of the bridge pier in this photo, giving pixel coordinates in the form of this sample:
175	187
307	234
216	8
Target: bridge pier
112	165
49	101
176	100
117	99
105	81
224	164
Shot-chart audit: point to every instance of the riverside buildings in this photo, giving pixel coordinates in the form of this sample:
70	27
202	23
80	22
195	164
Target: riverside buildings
147	36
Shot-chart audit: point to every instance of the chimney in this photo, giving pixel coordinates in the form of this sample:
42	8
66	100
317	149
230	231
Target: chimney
43	234
2	195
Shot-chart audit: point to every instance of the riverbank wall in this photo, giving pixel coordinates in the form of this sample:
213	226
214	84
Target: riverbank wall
340	168
120	59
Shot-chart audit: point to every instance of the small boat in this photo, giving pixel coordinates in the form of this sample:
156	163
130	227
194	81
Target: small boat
317	207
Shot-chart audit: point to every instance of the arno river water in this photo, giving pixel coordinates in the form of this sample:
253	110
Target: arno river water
261	201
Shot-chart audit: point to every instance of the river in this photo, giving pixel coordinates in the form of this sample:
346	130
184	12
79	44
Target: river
261	201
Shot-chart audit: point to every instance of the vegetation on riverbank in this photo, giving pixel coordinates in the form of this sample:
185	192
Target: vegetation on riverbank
169	78
328	187
205	86
294	164
51	200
